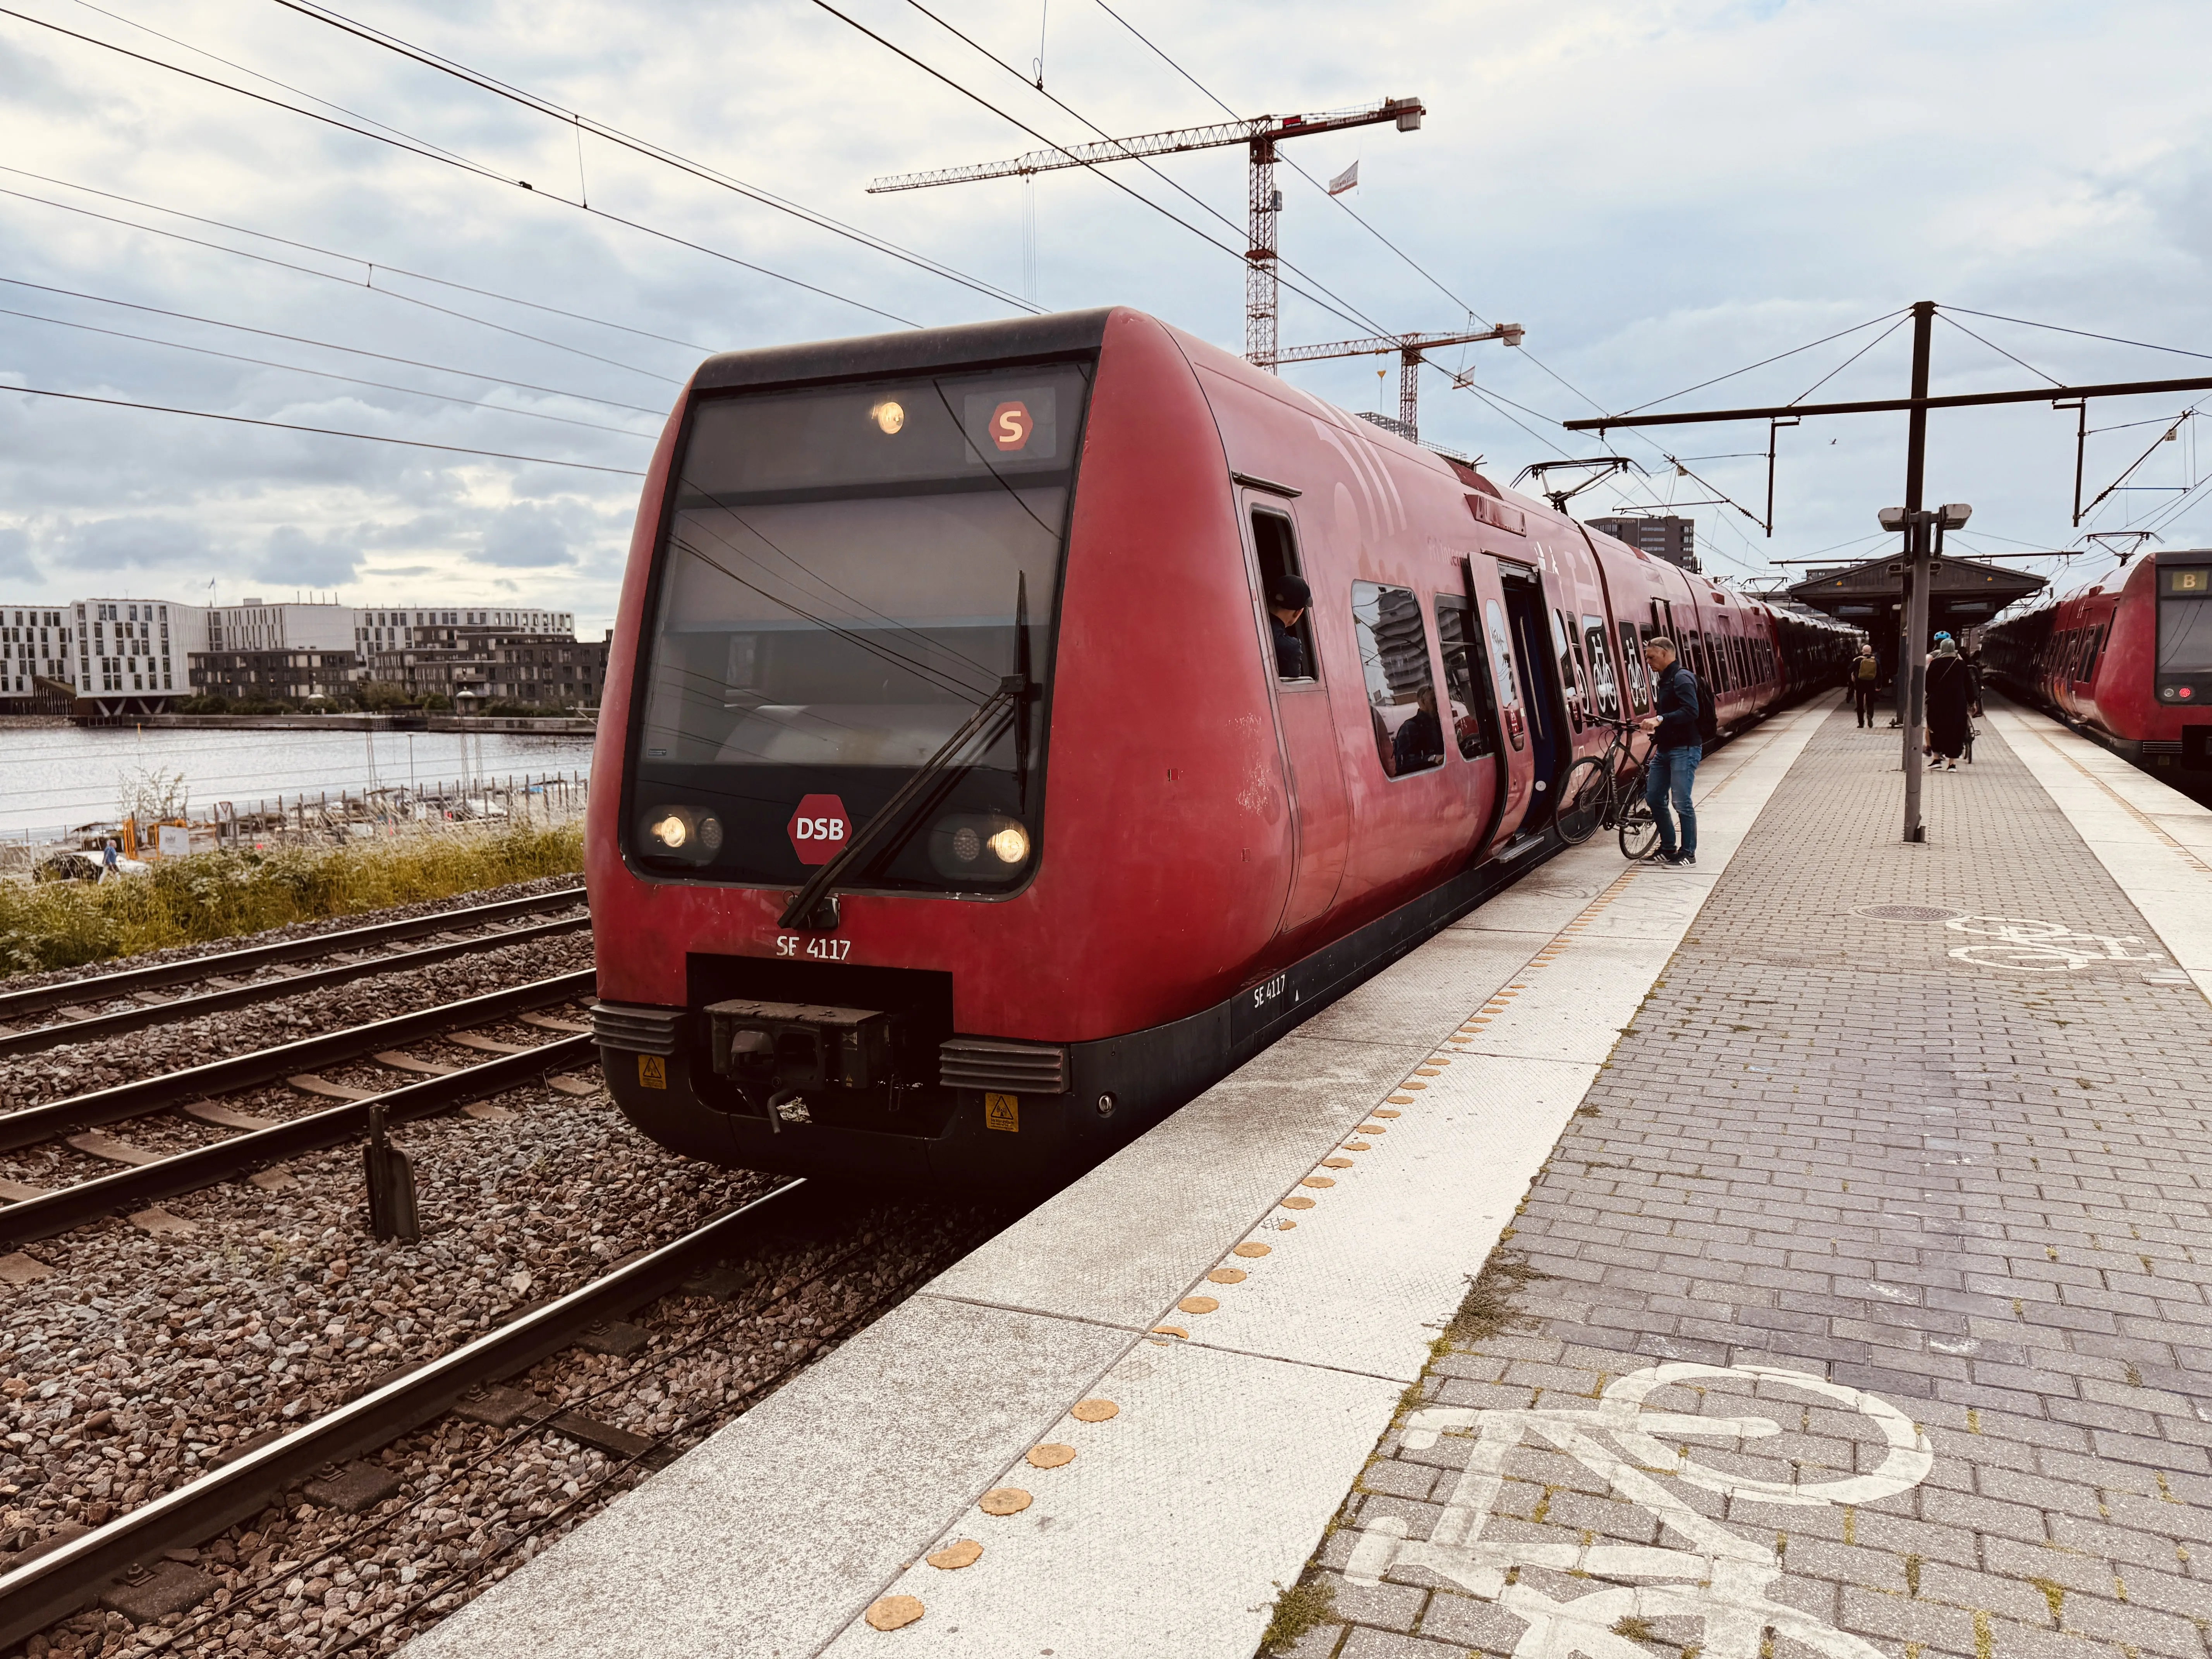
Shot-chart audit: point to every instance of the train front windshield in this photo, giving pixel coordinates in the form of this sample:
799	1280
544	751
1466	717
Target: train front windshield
848	575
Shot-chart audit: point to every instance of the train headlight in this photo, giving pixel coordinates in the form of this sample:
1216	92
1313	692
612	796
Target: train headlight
889	417
983	847
683	834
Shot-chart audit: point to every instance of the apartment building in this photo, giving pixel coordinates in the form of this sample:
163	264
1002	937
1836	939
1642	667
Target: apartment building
133	656
35	646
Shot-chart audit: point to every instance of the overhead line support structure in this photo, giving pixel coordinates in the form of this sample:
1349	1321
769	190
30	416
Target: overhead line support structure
1409	348
1260	134
1915	521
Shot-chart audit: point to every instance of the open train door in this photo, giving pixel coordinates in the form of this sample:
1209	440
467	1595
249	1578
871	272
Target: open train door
1551	750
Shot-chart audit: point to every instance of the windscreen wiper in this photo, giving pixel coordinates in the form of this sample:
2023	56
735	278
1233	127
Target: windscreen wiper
813	906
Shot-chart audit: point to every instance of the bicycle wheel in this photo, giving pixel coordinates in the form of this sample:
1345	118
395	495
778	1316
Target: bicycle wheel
1639	830
1581	798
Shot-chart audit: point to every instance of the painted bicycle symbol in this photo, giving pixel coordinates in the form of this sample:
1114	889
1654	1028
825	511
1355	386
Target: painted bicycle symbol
2024	945
1722	1579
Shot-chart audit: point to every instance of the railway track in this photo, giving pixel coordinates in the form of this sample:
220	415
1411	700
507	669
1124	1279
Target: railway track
134	984
36	1213
128	1552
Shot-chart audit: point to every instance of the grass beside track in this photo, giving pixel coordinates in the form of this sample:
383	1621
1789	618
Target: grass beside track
212	895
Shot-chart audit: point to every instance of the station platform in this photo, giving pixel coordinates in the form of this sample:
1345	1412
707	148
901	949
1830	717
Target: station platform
1853	1204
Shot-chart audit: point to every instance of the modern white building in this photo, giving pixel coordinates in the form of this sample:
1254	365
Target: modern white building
252	625
131	655
35	646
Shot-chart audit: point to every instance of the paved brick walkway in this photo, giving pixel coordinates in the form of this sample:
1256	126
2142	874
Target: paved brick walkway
1952	1178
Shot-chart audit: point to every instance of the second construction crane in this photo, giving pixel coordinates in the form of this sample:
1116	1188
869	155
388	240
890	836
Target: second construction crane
1260	134
1409	348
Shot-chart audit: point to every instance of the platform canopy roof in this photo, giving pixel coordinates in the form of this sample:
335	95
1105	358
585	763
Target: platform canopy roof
1963	593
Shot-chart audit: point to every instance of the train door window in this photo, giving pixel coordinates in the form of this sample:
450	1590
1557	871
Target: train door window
1563	644
2095	653
1604	688
1472	713
1639	678
1402	691
1501	669
1275	546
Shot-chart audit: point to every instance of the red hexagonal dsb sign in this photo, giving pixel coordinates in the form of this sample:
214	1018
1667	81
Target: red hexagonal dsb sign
819	829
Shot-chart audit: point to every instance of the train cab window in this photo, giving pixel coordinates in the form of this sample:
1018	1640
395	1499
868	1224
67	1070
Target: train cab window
2185	619
1275	545
1639	679
1402	691
1563	644
1473	713
1604	689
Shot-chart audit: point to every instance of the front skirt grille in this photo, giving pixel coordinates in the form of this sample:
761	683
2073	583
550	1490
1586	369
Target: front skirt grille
635	1028
1019	1068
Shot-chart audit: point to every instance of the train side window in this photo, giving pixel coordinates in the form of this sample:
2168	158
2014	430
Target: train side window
1639	682
1606	688
1275	544
1401	690
1473	713
1563	642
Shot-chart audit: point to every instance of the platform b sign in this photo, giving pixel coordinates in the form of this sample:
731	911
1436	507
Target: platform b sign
819	829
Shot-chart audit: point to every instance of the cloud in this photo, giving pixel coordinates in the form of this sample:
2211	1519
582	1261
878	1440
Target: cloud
139	543
526	537
15	555
291	554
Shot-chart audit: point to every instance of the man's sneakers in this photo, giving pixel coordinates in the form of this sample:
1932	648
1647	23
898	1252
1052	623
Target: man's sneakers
1678	860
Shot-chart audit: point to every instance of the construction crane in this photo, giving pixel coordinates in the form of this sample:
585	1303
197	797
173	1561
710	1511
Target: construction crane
1409	348
1260	134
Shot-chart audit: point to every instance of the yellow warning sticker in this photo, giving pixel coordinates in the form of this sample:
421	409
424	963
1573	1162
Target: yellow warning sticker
652	1071
1003	1112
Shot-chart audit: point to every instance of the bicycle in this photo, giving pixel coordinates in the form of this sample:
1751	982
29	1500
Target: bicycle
1596	793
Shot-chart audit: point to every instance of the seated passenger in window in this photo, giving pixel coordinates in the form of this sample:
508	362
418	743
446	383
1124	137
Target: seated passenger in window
1287	600
1420	740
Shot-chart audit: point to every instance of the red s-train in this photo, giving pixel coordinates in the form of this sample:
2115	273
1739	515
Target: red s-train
2127	661
974	810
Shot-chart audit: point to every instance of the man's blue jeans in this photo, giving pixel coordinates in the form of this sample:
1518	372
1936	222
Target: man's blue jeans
1672	771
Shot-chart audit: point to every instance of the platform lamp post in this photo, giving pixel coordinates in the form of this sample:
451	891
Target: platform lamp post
1912	644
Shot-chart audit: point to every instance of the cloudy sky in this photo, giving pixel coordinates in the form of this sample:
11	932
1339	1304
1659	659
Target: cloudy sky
1660	193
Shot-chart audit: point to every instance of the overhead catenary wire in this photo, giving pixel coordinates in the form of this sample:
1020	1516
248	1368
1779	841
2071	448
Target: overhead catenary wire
428	153
323	374
580	123
329	345
320	431
370	267
1097	169
334	276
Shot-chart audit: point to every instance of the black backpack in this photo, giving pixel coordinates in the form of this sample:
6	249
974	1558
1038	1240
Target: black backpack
1709	719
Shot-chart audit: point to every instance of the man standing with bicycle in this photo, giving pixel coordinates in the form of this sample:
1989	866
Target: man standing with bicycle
1676	724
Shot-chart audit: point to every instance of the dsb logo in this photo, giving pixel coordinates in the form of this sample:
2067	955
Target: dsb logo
819	829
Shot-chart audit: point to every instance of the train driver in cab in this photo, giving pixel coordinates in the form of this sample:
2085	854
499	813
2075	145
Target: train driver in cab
1287	600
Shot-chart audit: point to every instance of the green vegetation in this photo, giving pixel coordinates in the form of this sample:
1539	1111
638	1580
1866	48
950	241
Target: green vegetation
212	895
1296	1611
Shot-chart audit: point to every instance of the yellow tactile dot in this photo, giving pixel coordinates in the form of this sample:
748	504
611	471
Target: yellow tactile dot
1170	1330
1440	1060
1301	1203
1227	1275
1003	1500
961	1553
1374	1128
1094	1410
1360	1146
1050	1456
1252	1250
1426	1071
894	1612
1198	1305
1401	1100
1384	1111
1318	1181
1336	1164
1294	1202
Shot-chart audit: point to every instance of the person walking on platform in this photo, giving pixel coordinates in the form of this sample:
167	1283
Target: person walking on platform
1677	703
1866	674
1950	697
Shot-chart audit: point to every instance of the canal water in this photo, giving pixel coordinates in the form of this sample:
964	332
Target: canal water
55	778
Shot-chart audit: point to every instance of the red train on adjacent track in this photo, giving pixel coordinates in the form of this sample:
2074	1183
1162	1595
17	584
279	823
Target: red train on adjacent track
2127	661
974	809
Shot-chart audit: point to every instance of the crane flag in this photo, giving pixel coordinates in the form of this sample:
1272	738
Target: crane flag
1347	179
